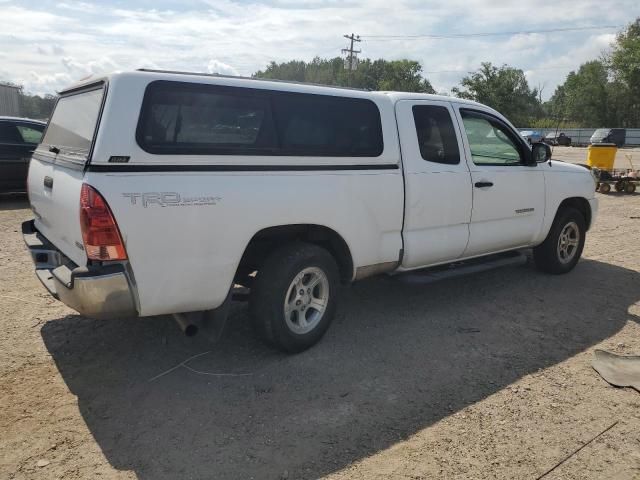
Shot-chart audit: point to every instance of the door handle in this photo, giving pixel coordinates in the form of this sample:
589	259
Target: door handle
483	184
48	182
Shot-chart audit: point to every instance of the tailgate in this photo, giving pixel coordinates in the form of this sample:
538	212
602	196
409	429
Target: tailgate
56	170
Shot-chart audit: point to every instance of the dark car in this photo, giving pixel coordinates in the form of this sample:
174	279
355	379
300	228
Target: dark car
560	139
18	138
610	135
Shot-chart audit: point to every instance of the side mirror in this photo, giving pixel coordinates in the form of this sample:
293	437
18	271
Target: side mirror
540	152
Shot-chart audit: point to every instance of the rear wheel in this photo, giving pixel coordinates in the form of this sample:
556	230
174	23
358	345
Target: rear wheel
605	188
630	187
563	246
293	299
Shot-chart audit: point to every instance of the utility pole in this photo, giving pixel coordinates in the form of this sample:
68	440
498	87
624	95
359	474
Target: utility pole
351	62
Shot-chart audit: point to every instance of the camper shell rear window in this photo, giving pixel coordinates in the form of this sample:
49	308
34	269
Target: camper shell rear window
73	124
191	118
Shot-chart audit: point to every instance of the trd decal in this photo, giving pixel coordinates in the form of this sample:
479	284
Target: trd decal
169	199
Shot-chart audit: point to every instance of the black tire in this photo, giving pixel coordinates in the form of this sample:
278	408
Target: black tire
619	186
630	187
605	188
547	255
274	283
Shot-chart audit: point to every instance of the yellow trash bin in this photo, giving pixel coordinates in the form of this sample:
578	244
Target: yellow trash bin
602	155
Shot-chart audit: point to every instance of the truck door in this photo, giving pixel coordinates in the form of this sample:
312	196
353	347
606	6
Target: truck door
437	183
508	196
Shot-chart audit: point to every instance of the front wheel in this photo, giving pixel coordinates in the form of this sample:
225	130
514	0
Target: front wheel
293	298
563	246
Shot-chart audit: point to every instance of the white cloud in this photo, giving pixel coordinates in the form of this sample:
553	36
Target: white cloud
90	68
554	64
216	66
54	44
47	83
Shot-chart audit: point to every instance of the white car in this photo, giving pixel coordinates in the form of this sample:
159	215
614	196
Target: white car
156	192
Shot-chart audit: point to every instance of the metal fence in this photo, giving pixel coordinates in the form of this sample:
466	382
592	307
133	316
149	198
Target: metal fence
9	100
581	136
633	136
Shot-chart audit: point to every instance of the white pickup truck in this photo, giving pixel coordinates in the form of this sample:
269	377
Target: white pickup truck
158	192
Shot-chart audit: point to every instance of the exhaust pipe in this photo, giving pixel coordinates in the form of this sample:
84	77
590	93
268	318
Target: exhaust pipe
186	325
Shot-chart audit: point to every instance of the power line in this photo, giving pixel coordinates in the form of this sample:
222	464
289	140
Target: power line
434	36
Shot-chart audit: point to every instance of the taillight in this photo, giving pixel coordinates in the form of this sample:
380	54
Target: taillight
100	234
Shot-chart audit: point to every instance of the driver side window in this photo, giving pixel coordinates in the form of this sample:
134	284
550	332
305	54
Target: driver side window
490	142
436	136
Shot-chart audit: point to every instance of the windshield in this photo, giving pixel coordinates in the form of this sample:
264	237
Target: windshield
601	133
73	123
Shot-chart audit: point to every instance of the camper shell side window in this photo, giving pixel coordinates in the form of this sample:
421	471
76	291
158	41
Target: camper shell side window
182	118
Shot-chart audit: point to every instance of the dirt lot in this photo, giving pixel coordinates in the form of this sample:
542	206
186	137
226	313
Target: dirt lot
487	376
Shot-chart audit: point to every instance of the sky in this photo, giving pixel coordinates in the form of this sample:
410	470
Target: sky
47	45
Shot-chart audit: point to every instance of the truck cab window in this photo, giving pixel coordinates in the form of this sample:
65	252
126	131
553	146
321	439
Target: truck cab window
436	135
489	141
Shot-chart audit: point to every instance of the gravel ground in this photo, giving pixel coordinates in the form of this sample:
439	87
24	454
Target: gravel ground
485	376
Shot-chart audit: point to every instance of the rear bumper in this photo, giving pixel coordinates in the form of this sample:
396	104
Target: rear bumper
95	291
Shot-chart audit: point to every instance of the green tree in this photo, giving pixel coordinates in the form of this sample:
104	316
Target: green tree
399	75
621	108
603	93
583	98
35	106
504	88
624	63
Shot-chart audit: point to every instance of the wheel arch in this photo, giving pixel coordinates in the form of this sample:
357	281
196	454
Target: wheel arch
579	203
268	239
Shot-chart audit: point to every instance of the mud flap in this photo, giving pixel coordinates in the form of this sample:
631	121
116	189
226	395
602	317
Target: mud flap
212	322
